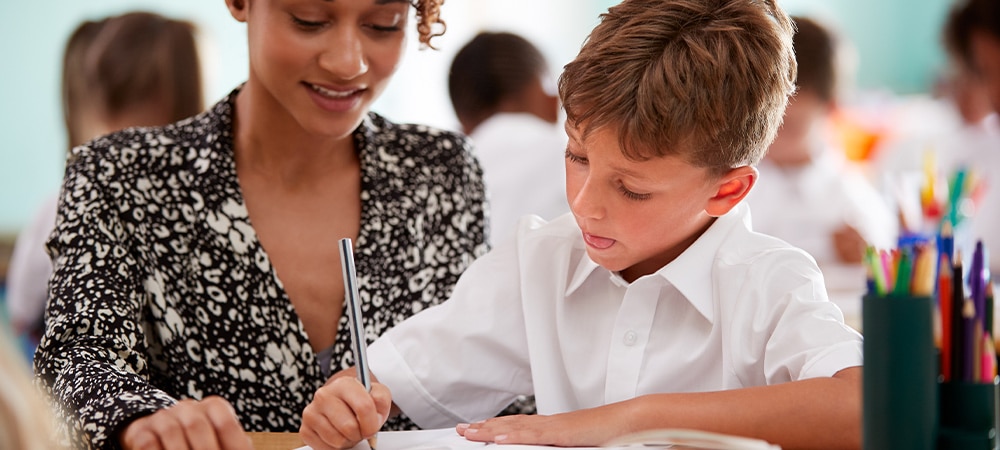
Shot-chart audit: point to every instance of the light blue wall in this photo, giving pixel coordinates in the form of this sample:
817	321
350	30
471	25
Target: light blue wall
897	42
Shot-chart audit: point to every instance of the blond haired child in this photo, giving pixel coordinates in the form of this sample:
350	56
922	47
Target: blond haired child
653	304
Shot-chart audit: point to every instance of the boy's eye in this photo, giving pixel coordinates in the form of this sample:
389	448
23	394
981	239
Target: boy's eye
575	159
631	195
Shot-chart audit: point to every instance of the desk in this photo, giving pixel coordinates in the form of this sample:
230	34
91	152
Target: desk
275	441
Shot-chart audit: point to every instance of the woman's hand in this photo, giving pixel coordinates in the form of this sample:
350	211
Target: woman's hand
209	424
342	414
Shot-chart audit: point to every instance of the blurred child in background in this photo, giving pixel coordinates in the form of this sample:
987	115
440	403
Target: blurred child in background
808	193
136	69
503	94
972	38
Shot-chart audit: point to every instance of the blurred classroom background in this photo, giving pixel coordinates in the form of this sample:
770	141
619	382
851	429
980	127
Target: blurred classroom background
895	60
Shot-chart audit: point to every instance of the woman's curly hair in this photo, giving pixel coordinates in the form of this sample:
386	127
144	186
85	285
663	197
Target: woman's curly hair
429	23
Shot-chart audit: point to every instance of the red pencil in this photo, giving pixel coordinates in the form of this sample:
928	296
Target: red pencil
945	304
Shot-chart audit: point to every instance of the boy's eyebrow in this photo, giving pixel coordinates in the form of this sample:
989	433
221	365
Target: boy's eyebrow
628	172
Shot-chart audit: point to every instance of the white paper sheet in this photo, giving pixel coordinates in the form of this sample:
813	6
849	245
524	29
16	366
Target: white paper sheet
448	439
443	439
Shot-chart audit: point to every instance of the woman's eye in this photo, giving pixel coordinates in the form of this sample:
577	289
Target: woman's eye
385	28
307	24
387	23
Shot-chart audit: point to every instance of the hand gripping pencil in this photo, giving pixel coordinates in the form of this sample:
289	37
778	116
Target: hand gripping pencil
353	299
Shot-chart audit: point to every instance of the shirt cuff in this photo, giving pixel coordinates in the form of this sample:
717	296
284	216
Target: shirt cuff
387	364
834	359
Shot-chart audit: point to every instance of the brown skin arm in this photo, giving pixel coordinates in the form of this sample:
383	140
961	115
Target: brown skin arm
819	413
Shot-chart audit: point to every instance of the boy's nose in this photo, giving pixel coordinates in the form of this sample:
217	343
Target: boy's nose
344	56
586	201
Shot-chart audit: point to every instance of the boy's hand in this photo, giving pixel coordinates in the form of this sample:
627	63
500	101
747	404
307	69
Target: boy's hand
849	245
209	424
583	428
342	414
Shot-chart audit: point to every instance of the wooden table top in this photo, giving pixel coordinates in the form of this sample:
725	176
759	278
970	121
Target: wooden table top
275	441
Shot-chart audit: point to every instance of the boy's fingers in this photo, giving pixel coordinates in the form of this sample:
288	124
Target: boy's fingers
383	402
332	414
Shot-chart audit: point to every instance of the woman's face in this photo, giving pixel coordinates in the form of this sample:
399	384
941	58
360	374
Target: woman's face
324	62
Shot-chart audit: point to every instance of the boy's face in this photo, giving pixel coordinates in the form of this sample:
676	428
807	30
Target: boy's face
635	216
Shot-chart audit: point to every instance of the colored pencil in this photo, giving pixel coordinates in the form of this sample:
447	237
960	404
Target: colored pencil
946	306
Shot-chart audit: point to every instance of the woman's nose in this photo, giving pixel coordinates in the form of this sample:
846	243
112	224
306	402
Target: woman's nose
344	55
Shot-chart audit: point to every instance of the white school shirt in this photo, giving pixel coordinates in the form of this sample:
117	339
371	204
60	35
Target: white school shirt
524	169
537	316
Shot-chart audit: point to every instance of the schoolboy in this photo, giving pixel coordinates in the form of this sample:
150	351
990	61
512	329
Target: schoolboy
652	305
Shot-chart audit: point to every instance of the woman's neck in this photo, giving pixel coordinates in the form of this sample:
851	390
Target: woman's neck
271	143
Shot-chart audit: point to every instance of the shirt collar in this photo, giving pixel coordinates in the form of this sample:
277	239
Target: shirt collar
692	271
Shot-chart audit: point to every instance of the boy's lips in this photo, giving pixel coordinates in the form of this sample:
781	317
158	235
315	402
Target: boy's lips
598	242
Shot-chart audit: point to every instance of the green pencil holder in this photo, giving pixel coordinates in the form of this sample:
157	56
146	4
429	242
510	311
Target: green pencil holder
900	392
968	416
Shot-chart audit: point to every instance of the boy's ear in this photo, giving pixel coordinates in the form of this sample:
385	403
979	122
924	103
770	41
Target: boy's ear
238	9
731	187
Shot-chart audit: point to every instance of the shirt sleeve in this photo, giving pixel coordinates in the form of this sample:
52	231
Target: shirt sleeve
92	358
463	360
793	331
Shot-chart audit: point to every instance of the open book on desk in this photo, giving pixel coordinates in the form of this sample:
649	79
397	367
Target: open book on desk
448	439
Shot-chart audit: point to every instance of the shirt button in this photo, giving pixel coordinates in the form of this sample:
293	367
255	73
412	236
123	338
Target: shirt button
630	338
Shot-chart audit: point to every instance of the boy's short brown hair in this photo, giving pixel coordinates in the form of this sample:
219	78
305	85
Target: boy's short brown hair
707	80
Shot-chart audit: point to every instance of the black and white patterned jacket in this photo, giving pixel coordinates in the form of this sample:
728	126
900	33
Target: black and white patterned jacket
162	291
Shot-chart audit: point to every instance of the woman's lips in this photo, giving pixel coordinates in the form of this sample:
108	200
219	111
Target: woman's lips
338	100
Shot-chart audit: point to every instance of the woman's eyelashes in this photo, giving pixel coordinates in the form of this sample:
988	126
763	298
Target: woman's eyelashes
380	22
307	25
